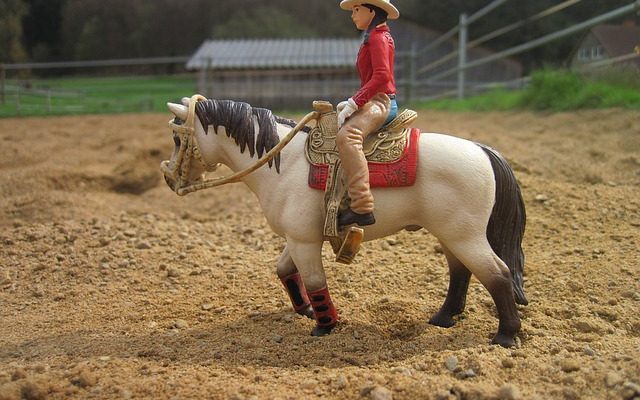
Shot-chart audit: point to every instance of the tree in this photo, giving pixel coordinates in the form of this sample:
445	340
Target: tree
261	22
95	29
281	19
42	29
11	47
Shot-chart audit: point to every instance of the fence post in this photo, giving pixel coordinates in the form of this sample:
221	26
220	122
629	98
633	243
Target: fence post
18	106
410	65
3	77
207	79
462	55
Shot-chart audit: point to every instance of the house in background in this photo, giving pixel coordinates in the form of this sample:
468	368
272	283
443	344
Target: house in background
610	45
292	73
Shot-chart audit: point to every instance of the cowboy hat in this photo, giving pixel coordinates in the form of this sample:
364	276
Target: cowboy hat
384	4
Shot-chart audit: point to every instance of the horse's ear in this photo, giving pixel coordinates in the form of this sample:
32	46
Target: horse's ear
186	101
178	110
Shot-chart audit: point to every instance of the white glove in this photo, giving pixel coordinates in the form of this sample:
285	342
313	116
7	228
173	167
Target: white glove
345	111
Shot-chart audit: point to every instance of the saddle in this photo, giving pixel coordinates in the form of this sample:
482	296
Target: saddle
392	155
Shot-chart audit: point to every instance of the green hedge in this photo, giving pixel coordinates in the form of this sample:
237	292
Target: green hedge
557	90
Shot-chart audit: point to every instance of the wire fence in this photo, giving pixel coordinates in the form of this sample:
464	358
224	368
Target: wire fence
35	101
97	86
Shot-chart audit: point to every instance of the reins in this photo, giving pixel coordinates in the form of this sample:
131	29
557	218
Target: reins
188	148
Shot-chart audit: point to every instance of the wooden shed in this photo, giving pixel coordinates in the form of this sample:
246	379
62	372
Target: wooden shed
277	73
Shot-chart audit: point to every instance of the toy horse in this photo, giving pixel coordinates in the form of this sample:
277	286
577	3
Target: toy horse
464	193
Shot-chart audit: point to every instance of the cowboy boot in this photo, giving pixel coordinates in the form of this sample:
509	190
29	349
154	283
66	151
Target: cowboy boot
365	120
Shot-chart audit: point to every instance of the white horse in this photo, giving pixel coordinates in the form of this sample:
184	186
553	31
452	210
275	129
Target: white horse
465	194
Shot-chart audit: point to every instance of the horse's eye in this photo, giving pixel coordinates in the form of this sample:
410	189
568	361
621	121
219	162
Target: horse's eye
176	140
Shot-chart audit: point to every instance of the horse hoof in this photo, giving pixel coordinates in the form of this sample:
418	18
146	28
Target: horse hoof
442	320
307	312
322	330
504	340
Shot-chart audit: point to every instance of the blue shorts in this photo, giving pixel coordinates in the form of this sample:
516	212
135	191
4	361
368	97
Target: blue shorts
393	112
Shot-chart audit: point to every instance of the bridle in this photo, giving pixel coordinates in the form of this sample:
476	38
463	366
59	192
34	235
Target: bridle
178	172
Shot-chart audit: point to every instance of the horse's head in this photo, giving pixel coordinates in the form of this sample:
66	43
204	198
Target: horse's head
185	169
197	149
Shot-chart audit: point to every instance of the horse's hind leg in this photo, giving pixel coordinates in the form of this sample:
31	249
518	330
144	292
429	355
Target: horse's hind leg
492	272
453	305
293	284
500	286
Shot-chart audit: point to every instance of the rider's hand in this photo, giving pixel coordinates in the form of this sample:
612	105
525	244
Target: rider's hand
345	111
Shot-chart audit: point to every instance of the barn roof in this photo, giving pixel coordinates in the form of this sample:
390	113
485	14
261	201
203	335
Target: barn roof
617	40
275	53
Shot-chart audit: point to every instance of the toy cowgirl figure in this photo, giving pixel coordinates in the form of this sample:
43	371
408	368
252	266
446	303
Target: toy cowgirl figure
368	109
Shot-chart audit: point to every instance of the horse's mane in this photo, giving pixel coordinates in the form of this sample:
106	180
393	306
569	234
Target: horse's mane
240	121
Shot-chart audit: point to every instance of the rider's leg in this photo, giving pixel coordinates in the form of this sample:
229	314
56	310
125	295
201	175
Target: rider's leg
350	138
393	112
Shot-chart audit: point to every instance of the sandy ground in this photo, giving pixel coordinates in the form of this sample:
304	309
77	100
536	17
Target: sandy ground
111	286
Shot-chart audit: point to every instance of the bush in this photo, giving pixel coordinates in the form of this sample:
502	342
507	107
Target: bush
551	90
559	90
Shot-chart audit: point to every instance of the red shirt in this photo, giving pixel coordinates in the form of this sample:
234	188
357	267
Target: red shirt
375	66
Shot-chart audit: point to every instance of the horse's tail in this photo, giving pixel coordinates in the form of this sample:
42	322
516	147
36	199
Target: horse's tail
506	225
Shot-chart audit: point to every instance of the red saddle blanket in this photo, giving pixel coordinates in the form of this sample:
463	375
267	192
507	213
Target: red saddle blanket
401	172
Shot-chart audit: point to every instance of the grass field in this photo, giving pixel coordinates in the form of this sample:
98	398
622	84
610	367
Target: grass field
93	95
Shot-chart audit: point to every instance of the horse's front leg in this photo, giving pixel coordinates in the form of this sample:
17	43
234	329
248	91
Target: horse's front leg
293	284
307	257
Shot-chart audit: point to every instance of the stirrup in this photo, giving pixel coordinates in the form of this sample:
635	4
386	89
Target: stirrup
350	245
